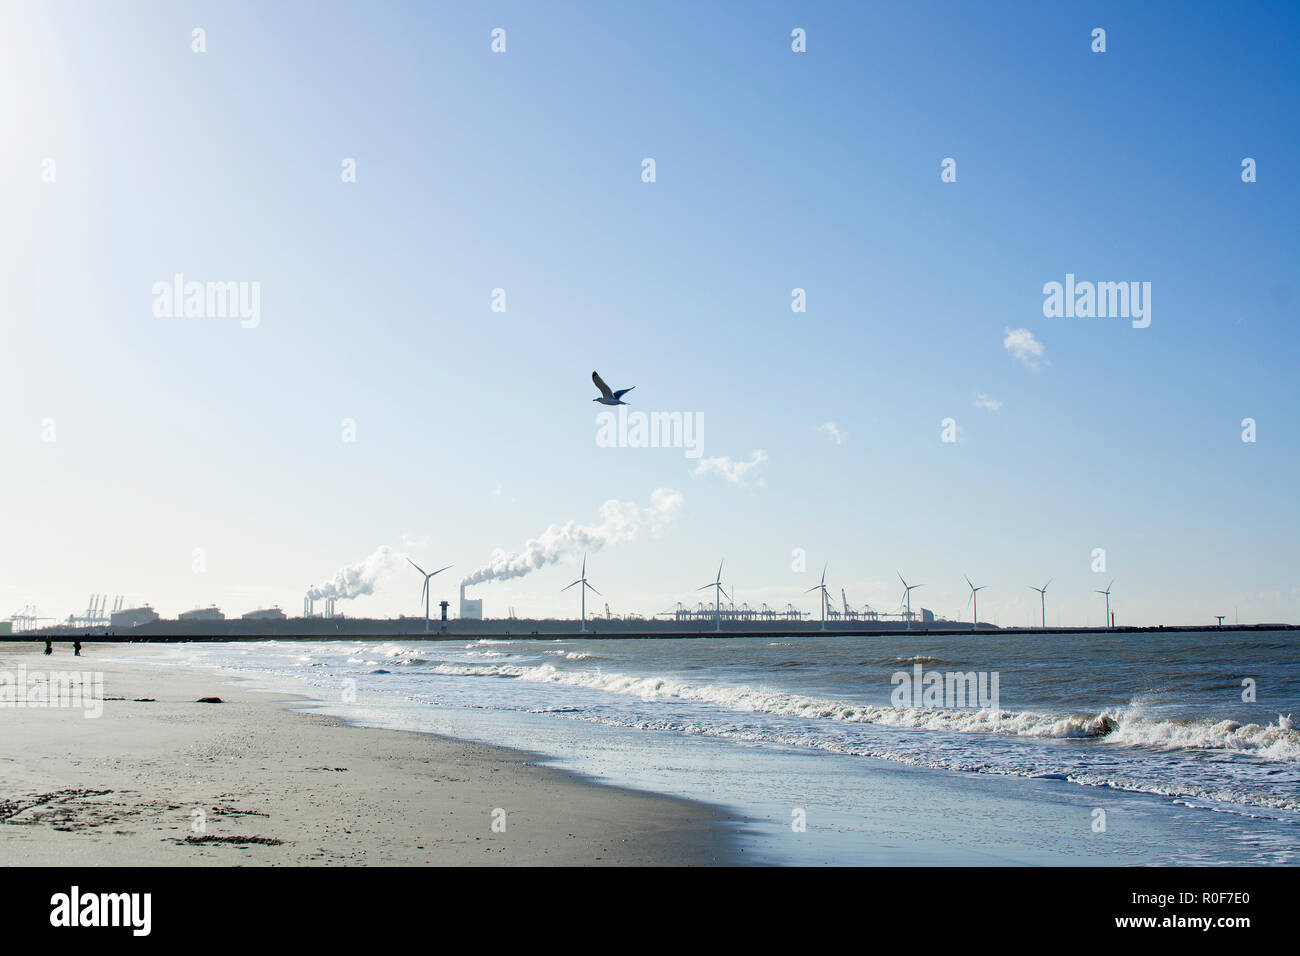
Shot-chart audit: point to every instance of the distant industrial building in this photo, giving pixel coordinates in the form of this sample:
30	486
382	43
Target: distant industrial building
471	609
201	614
133	617
927	616
266	614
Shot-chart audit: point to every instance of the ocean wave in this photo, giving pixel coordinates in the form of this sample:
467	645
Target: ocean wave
1119	727
1219	796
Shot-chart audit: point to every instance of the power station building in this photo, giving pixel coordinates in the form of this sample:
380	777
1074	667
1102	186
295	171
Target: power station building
471	609
265	614
133	617
201	614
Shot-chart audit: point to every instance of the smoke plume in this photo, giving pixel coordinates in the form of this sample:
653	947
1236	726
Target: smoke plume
620	521
358	579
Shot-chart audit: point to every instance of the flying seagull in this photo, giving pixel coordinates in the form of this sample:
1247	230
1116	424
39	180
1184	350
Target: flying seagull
606	396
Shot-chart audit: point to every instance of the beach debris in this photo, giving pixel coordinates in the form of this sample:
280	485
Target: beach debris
209	700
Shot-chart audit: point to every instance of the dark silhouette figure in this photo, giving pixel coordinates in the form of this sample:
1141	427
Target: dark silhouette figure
76	648
49	648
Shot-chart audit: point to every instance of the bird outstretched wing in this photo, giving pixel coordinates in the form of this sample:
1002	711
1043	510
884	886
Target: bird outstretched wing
600	384
623	391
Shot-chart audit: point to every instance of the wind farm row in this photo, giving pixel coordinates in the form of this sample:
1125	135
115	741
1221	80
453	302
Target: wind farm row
829	613
719	615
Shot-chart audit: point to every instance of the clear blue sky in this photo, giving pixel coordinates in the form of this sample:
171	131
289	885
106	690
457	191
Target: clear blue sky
775	170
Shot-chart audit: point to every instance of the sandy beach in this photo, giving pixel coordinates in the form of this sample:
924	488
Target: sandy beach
161	779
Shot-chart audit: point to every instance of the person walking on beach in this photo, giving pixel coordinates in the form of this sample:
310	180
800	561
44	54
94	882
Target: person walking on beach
76	648
49	648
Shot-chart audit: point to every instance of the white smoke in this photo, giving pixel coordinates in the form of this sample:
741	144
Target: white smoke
620	521
358	579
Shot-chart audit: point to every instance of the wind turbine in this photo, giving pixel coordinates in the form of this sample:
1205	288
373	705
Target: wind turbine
825	595
425	593
716	583
582	629
1042	595
975	601
907	592
1107	593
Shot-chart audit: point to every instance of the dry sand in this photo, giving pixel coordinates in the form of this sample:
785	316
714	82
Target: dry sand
275	787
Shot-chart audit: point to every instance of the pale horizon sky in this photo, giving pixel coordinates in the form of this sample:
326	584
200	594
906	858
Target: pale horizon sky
132	439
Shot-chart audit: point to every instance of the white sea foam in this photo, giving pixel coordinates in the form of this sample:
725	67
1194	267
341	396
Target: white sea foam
1115	727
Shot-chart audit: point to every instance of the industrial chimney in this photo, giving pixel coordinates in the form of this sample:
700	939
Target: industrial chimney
471	609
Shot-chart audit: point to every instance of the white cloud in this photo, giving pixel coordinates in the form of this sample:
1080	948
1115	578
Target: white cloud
832	431
1022	344
988	401
736	472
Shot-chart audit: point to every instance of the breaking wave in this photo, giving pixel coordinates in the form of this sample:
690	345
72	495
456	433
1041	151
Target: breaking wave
1119	727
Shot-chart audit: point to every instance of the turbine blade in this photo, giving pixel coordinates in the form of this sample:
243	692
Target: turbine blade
414	565
440	570
588	585
567	586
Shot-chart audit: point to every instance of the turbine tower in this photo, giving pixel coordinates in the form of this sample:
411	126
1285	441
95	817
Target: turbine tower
716	583
975	601
825	595
1107	593
1042	595
582	629
907	593
425	593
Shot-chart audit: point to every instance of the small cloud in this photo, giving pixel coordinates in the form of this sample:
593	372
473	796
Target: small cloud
736	472
1022	344
988	401
832	431
412	544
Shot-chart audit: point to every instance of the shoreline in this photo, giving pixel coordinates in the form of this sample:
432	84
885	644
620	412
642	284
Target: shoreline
161	779
325	629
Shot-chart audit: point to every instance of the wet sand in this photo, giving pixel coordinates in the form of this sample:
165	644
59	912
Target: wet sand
160	779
